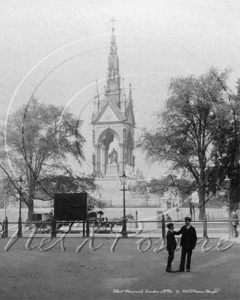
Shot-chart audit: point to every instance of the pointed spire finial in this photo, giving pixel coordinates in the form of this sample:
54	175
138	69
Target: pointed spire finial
96	95
130	90
96	99
113	20
123	94
113	77
123	87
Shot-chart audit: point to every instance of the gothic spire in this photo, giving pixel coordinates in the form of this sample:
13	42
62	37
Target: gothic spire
123	88
113	47
113	77
113	28
130	91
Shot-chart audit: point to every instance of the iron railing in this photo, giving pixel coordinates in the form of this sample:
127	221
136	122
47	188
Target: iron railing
102	226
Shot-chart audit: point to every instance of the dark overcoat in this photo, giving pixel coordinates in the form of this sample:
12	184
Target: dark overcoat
189	237
171	242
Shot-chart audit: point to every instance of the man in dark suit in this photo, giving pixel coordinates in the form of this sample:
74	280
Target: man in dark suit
188	243
171	246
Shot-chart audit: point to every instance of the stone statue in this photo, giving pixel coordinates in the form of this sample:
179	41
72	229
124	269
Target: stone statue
113	156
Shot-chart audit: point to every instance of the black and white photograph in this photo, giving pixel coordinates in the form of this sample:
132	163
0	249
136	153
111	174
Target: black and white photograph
119	149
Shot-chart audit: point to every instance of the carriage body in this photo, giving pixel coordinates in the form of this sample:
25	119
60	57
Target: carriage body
41	221
101	224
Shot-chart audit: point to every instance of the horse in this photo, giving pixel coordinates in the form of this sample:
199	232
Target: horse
115	221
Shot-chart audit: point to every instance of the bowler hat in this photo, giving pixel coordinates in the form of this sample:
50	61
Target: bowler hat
188	219
169	225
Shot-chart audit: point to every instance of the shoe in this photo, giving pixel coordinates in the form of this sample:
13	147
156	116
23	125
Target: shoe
170	271
188	270
180	270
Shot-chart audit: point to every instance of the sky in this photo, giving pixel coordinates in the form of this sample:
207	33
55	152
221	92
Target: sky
57	49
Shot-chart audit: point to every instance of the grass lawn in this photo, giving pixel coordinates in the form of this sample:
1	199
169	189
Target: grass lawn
125	273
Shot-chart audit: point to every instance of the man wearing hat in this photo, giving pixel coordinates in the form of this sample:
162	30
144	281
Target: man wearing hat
171	246
235	223
188	243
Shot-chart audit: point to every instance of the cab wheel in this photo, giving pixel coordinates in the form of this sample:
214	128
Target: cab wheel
47	229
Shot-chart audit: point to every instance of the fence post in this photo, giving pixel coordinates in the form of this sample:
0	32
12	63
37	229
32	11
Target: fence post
53	233
136	224
5	228
87	231
83	229
163	227
204	226
230	228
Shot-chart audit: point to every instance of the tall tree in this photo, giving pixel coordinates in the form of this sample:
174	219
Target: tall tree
226	150
38	141
193	116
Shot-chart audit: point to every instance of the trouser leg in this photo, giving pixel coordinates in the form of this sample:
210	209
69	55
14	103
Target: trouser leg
235	233
170	259
233	230
183	257
189	254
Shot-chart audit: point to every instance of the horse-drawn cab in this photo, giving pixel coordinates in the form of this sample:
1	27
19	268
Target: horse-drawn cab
100	224
96	219
41	221
95	215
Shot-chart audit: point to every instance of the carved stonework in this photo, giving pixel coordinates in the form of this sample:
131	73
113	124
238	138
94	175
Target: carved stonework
112	121
124	134
112	170
93	136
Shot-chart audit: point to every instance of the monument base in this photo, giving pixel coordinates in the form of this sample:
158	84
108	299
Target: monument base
110	194
112	171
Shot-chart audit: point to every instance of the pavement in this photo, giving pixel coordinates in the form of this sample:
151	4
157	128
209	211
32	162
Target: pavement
106	269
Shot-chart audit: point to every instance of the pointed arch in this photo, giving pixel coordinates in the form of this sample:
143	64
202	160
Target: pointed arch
109	134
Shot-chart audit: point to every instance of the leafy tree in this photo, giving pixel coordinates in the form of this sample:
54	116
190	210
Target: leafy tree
193	116
69	182
39	139
181	187
226	150
141	189
158	186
